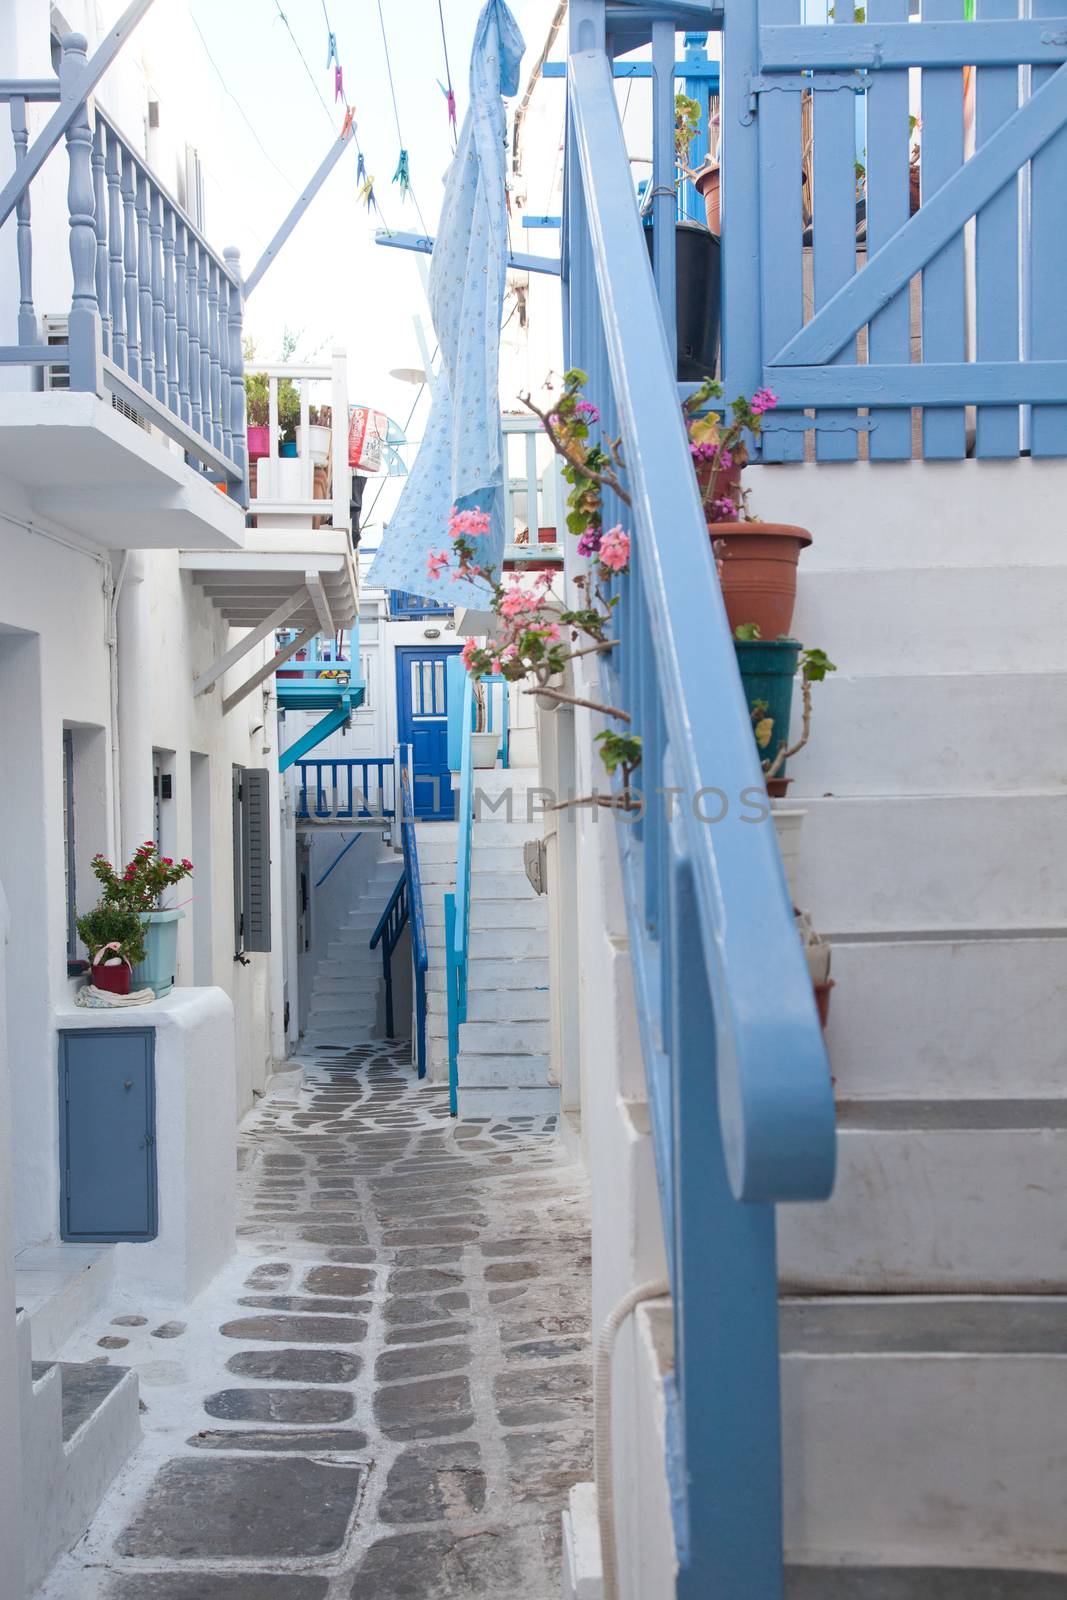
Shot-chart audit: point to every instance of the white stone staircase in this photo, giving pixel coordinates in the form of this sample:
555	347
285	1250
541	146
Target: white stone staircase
346	993
80	1421
924	1319
504	1047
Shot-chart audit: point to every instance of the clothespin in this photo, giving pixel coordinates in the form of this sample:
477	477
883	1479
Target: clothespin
331	50
402	175
350	117
338	83
450	100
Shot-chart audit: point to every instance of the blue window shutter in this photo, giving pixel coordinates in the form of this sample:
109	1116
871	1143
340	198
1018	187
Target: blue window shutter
255	858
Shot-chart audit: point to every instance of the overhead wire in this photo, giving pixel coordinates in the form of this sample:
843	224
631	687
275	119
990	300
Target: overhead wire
396	110
451	95
247	119
407	425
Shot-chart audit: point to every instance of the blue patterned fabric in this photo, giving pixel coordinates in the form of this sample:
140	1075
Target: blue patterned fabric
461	461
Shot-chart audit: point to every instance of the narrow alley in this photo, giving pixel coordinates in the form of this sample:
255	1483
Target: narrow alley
388	1392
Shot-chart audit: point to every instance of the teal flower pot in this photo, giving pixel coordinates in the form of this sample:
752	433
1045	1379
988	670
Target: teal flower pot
768	672
157	970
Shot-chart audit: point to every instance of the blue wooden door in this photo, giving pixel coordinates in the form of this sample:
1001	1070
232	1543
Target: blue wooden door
422	722
107	1134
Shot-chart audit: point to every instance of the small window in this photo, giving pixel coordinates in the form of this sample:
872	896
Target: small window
69	845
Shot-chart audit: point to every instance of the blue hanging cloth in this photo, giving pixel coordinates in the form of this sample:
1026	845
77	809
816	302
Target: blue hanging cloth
461	461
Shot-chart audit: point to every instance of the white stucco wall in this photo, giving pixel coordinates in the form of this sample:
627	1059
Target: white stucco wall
10	1428
55	672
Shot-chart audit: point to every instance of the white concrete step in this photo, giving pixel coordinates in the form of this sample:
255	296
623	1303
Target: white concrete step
955	734
944	619
436	850
481	1071
489	972
518	1006
355	979
501	883
439	873
492	855
350	1033
936	1195
966	1018
537	1102
496	834
527	912
80	1422
338	1005
983	862
496	1037
925	1431
516	942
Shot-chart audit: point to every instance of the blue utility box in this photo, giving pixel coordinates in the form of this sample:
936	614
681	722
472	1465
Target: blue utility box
107	1135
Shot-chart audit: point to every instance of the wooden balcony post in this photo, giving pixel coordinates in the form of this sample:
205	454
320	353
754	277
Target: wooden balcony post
85	346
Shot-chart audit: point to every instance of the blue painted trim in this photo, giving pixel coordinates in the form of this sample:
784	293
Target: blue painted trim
707	70
452	994
457	942
934	225
322	729
887	45
941	383
419	948
542	222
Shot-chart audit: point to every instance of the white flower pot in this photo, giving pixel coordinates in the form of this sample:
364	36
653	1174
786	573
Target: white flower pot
484	747
318	442
788	821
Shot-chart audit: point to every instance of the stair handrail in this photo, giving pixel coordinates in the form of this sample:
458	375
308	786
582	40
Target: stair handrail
416	914
389	927
738	1083
458	905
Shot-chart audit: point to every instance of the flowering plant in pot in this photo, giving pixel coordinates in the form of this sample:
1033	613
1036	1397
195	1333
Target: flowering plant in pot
257	412
757	560
114	938
139	888
767	672
535	636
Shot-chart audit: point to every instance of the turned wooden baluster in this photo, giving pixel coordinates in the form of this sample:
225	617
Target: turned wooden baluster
170	313
225	358
84	326
129	265
116	274
215	363
23	234
181	313
100	207
192	280
204	314
237	381
155	230
144	287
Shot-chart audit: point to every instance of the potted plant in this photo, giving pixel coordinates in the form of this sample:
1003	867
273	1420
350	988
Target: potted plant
706	179
768	669
320	434
257	408
698	296
757	560
484	744
114	938
139	888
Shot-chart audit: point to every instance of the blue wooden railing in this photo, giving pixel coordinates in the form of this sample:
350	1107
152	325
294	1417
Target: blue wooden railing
869	346
156	313
458	905
389	927
420	954
737	1077
342	791
406	607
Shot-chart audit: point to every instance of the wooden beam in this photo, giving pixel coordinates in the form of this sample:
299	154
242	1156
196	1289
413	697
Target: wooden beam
68	108
424	244
893	45
278	617
270	254
317	592
921	383
271	667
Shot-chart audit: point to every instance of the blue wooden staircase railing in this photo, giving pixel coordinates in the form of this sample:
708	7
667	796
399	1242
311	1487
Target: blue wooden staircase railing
390	926
419	950
737	1077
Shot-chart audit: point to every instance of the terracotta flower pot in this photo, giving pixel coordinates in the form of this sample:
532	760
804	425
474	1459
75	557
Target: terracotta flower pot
759	572
116	980
822	1000
707	187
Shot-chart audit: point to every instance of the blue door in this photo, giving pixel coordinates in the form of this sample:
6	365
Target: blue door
107	1131
422	722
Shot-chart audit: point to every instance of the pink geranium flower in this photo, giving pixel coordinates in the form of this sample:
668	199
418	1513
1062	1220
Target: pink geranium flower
763	400
614	552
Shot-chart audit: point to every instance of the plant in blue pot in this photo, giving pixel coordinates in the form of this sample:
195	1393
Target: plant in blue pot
140	887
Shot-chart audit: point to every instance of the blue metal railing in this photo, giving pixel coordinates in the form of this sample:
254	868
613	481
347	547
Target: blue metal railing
737	1077
458	905
342	791
338	858
419	951
156	313
388	929
405	607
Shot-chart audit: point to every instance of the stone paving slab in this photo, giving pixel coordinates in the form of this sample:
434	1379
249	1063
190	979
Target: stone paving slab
387	1392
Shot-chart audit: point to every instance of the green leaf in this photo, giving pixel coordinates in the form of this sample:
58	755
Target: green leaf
748	632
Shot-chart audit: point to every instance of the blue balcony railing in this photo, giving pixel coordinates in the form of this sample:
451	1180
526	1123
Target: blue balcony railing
405	607
738	1082
156	313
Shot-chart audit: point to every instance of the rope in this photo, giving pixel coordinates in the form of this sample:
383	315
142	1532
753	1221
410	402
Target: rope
396	112
448	71
248	121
